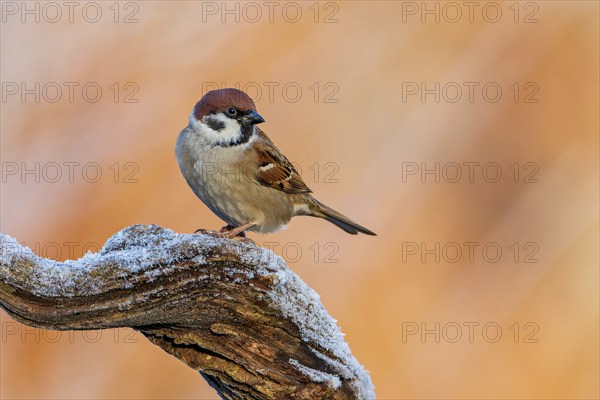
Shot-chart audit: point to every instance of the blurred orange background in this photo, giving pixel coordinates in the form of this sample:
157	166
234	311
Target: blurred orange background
466	136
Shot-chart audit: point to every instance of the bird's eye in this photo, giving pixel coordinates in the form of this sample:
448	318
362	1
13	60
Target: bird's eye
231	111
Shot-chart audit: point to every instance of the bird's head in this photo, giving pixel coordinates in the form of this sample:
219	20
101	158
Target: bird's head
225	117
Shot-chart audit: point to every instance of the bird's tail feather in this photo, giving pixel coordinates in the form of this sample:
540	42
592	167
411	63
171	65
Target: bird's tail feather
341	221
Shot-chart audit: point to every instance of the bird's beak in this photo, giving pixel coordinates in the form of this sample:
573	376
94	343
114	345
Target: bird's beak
253	117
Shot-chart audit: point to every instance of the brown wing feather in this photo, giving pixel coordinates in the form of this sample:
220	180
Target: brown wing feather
274	170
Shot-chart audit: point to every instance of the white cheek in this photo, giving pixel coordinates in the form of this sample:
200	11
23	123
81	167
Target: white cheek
231	131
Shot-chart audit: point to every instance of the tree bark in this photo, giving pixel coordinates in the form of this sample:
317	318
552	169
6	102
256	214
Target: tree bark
227	308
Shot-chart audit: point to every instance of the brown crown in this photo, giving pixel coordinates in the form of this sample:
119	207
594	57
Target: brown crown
220	100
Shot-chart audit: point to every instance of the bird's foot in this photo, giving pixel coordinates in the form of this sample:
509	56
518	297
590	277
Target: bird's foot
235	232
230	231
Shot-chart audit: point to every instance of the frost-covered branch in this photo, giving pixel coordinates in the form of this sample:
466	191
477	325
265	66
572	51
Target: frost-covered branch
230	309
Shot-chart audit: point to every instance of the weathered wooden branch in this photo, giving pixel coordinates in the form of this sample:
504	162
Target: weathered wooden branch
230	309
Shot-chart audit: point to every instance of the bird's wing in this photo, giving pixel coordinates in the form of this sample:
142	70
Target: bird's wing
274	170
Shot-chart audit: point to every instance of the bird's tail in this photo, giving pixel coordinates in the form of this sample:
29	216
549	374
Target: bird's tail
320	210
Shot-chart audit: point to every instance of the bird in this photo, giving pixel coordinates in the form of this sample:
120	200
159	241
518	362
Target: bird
238	172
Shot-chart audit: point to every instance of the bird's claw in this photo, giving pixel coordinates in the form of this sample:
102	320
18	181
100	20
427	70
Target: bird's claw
226	233
204	231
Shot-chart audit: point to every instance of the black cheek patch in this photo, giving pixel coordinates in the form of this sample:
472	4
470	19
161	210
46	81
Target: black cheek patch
215	124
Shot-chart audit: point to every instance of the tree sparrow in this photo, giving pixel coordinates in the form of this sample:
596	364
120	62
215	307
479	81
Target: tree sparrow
235	169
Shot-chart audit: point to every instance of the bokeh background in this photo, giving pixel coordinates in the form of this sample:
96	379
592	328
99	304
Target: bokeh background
363	97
